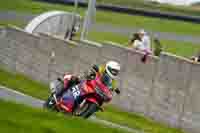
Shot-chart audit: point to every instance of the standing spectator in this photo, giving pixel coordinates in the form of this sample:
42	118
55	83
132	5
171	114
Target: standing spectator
146	42
141	41
136	42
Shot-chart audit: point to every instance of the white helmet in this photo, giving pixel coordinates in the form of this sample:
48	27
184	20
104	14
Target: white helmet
112	69
141	31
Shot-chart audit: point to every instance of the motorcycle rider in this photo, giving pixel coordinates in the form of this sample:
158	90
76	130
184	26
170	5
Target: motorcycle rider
69	80
109	73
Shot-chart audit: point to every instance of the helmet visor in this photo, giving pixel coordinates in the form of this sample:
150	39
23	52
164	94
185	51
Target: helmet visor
113	71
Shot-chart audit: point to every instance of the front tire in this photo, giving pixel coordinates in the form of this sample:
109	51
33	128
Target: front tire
89	109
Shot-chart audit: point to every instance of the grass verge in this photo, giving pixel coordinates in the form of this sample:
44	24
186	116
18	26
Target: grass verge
16	23
148	23
39	90
135	121
23	84
184	49
122	20
108	36
20	119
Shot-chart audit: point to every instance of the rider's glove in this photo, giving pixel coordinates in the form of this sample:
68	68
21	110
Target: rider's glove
117	91
90	75
60	80
95	68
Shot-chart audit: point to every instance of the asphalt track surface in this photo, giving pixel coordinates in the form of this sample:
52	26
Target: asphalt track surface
103	27
18	97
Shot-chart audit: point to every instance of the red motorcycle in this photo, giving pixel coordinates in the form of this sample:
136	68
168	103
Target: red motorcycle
83	99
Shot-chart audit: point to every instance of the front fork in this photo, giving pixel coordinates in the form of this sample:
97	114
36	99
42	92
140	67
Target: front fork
55	98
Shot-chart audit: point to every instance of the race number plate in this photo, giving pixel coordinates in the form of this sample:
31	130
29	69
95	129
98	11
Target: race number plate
76	91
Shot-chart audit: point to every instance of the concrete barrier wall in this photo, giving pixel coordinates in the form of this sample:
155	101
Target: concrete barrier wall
66	55
88	55
138	81
165	89
169	89
7	51
191	117
29	58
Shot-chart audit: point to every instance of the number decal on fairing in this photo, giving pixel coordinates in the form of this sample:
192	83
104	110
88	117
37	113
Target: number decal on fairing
75	91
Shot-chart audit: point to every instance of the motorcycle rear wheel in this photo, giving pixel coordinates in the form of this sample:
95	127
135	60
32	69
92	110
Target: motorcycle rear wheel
50	103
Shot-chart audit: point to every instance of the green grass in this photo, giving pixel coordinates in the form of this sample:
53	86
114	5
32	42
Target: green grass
122	20
135	121
148	23
23	84
154	6
18	118
185	49
39	90
16	23
107	36
31	6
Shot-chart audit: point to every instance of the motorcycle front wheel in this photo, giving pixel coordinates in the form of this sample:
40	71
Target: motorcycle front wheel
88	109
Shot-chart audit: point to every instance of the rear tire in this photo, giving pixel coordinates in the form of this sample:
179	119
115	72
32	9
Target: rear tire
89	110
